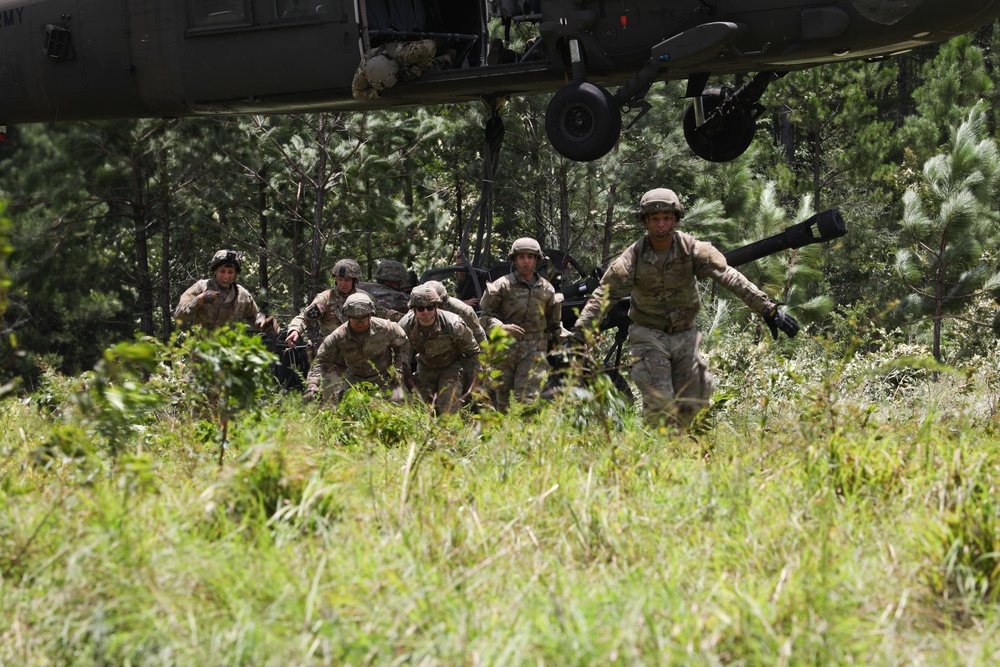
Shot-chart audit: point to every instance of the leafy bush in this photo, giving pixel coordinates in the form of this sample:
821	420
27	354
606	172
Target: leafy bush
228	371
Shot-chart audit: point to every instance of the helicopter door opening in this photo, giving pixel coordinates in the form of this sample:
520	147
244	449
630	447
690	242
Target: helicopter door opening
456	26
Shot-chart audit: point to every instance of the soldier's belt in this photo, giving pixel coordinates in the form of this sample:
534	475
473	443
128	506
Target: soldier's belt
667	328
439	361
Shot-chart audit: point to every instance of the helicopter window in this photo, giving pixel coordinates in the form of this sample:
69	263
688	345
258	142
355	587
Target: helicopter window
302	8
207	13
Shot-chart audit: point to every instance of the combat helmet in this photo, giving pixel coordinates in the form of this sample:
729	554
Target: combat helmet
438	287
359	305
381	71
424	295
224	257
526	245
347	268
390	270
659	199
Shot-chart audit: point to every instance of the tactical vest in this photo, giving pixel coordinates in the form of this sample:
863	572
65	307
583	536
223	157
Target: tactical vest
665	297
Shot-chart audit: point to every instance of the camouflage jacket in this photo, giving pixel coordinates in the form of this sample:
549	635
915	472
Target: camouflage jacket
665	290
468	315
393	302
331	302
368	356
535	307
235	304
441	344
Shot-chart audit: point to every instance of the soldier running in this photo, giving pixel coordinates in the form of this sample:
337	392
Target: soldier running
525	306
217	301
363	349
661	272
444	349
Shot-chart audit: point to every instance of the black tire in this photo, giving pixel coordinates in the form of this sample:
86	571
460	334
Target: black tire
728	140
583	121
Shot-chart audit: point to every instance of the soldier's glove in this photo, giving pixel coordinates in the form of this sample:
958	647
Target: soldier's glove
513	330
398	394
777	319
209	296
309	395
270	325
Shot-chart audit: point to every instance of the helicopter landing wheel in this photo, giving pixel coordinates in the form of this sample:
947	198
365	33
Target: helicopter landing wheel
728	139
583	121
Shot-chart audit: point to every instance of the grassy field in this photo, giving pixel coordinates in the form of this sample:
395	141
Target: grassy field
832	512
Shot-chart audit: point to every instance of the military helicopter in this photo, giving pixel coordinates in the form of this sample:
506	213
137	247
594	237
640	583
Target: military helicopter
64	60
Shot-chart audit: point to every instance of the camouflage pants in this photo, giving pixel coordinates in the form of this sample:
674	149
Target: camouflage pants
523	372
442	386
671	375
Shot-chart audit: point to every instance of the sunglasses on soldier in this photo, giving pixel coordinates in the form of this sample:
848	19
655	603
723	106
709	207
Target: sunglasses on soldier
424	309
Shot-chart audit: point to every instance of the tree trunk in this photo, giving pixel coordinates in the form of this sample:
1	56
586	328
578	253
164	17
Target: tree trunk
262	239
319	190
166	311
298	274
787	133
609	221
817	168
459	213
563	206
144	285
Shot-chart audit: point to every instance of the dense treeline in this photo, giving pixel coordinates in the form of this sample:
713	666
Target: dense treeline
112	220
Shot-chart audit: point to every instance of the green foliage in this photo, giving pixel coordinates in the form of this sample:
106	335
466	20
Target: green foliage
946	225
839	530
963	544
105	410
229	371
955	80
8	342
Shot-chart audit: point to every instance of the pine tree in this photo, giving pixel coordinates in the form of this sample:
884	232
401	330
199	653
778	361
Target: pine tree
946	222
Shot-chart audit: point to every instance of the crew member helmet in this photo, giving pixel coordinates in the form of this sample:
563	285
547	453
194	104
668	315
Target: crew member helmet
382	72
525	245
224	258
659	199
390	270
438	288
424	295
347	268
359	305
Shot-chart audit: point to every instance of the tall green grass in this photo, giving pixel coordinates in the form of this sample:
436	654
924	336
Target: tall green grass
830	513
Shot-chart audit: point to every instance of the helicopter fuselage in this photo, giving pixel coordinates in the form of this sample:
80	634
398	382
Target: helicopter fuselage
64	60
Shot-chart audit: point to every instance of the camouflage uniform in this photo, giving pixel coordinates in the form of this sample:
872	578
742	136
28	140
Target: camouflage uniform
392	302
331	304
667	368
234	304
412	59
535	307
348	357
468	315
460	308
447	358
